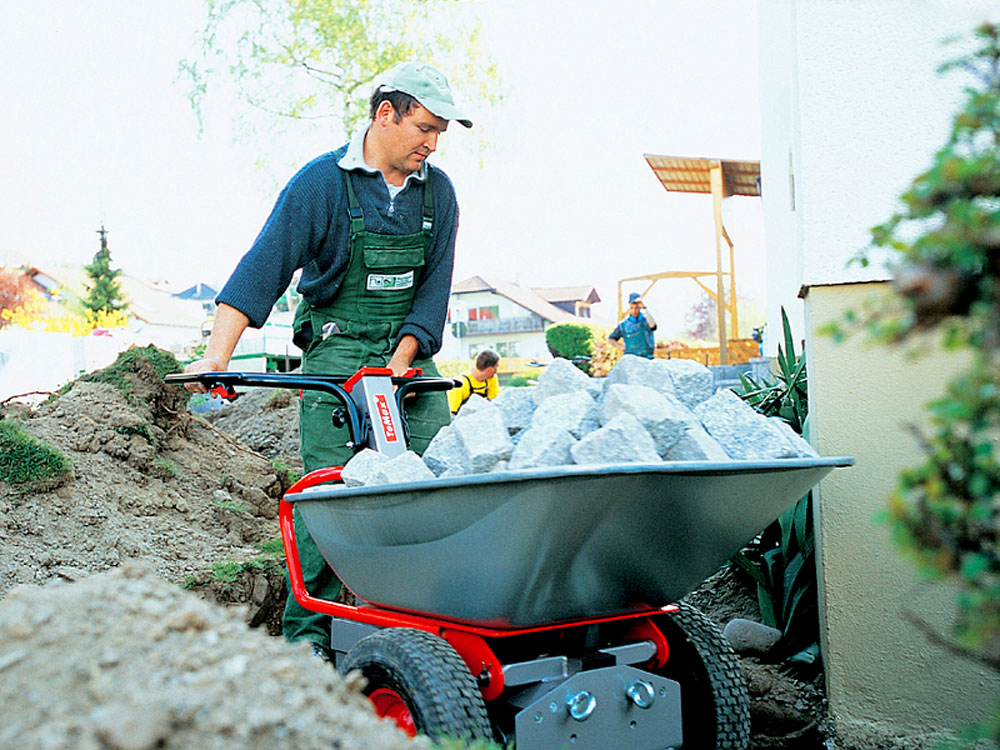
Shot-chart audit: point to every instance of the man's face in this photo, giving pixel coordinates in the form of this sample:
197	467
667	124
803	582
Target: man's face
410	141
635	308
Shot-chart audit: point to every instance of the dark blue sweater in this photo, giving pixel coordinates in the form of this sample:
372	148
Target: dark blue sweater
309	229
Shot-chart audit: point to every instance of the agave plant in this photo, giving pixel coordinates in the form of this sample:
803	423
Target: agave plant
783	561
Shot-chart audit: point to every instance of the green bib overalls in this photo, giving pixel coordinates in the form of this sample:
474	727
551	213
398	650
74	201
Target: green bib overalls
357	329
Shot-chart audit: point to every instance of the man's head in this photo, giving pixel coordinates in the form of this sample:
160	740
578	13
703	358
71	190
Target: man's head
487	362
634	304
423	83
410	108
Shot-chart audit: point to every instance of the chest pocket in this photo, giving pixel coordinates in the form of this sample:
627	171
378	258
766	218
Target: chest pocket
389	277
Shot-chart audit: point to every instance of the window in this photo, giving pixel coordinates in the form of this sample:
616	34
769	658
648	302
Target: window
473	313
507	348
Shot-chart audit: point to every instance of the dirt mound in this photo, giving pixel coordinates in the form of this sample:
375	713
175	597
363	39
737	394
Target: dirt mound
148	482
265	420
124	660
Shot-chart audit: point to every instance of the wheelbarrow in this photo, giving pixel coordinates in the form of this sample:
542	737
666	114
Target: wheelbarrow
537	606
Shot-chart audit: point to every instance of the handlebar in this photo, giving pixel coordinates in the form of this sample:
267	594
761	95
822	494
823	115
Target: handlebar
223	382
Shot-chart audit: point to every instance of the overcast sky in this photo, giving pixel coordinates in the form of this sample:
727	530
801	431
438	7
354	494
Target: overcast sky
96	128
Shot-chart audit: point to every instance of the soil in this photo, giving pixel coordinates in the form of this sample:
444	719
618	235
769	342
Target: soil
159	496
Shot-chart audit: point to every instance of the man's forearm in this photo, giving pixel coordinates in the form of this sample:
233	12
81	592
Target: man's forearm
226	331
650	321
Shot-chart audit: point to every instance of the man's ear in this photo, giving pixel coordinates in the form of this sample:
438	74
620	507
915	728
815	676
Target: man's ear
385	113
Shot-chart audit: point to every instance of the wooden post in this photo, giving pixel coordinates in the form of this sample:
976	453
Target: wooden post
715	179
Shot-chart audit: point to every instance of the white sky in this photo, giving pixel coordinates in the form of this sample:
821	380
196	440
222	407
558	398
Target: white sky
95	128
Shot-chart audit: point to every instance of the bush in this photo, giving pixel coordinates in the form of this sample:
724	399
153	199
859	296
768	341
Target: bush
572	341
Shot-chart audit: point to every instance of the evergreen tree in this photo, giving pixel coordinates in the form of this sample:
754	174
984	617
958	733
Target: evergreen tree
105	293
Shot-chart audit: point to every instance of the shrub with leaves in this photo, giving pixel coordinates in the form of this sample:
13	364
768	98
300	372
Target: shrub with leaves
946	241
572	341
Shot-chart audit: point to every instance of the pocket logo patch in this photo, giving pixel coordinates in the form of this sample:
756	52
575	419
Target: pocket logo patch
385	282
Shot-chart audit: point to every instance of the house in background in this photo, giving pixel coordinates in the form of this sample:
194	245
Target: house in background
509	319
576	300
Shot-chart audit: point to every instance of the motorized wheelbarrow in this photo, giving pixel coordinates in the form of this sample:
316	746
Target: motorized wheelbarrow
537	606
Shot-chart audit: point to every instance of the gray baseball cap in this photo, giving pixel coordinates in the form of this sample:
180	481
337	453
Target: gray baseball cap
427	85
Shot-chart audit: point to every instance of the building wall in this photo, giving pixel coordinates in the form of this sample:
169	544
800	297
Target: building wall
883	674
852	109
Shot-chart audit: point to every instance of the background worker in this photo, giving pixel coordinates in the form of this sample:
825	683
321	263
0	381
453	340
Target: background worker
636	329
372	226
481	380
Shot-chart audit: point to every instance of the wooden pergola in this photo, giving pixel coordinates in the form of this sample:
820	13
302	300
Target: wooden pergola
721	178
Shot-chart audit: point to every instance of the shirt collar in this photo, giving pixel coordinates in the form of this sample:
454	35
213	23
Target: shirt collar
354	158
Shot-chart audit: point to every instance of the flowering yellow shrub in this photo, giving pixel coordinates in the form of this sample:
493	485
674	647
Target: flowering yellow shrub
34	314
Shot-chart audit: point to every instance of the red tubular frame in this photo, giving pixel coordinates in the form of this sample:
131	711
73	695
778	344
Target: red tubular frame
469	640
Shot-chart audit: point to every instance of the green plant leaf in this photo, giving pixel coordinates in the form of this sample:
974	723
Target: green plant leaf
745	564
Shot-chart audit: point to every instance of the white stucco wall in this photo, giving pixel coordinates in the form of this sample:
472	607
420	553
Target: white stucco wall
852	108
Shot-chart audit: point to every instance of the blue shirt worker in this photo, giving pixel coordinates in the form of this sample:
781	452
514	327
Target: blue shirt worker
636	329
372	226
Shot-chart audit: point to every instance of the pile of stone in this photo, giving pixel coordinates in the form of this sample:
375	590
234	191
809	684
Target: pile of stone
644	411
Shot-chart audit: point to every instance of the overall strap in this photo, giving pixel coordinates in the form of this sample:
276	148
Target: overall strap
428	221
358	219
353	207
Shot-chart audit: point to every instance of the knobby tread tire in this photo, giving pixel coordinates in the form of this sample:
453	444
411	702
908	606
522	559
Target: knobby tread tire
715	702
430	677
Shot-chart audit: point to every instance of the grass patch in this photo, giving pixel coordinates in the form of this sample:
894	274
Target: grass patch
169	466
162	362
230	505
26	461
140	430
286	475
271	558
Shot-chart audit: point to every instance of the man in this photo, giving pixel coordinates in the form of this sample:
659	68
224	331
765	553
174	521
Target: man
481	380
372	226
636	329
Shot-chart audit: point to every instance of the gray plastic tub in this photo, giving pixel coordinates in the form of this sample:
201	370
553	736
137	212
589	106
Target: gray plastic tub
515	549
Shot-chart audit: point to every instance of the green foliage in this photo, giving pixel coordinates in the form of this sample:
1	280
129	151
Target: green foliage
572	341
130	362
318	59
783	564
139	429
169	466
25	461
105	291
522	379
944	513
787	396
232	506
227	572
286	475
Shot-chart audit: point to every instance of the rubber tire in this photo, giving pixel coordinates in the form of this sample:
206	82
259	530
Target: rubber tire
715	705
430	677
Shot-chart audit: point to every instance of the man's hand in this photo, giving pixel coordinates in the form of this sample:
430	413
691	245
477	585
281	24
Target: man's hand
404	355
202	365
226	331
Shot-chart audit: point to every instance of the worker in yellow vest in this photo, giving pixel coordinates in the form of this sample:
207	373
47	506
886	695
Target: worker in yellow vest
481	380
